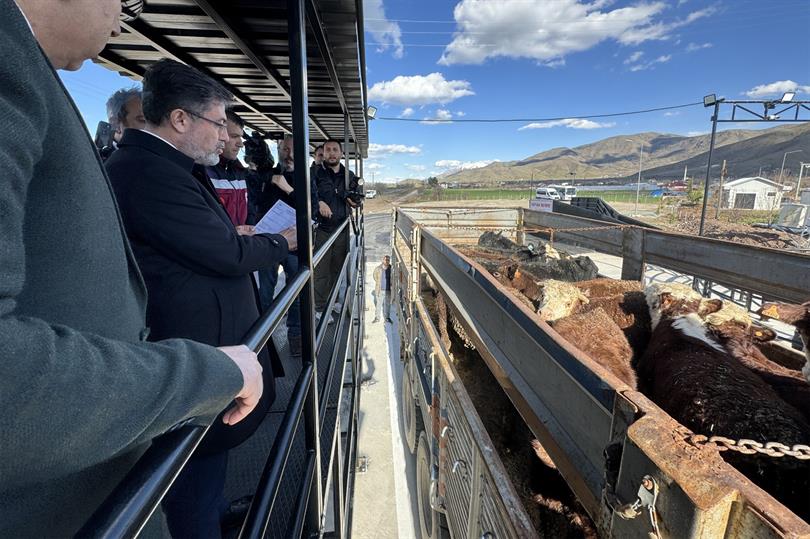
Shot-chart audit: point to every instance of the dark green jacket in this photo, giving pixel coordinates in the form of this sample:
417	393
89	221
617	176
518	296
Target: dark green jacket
81	393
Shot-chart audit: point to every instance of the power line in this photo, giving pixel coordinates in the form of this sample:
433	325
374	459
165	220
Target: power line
506	120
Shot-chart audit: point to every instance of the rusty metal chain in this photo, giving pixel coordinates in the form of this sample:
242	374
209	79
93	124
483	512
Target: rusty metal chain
751	447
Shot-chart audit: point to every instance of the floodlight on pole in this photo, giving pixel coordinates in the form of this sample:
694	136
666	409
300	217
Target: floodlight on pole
787	97
638	182
371	112
716	104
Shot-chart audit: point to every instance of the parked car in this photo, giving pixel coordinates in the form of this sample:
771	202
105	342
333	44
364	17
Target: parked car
371	193
547	192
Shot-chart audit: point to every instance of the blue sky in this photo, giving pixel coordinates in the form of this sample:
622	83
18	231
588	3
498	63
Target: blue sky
470	59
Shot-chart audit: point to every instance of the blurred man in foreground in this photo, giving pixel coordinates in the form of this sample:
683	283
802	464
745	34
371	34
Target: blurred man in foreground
84	393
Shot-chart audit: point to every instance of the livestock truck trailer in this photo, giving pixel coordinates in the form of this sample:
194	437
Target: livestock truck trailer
632	469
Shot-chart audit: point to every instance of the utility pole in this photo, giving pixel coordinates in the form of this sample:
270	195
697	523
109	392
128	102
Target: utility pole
720	192
799	183
781	170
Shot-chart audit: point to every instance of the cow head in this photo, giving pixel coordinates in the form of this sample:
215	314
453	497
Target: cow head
796	315
671	300
729	312
739	331
559	299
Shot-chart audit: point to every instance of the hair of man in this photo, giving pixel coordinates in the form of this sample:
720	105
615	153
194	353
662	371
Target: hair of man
117	105
334	141
170	85
233	117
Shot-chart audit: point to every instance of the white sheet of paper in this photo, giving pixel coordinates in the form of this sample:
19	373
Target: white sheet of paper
280	217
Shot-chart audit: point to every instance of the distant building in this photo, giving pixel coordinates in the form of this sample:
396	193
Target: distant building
755	193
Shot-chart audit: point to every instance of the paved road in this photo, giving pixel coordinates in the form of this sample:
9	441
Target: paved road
384	495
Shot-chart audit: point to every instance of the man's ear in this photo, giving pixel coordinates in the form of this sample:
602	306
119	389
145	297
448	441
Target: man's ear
180	120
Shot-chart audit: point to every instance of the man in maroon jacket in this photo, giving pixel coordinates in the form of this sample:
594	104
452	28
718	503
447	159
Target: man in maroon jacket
228	176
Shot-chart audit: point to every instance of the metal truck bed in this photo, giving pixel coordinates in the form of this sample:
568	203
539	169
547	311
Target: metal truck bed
579	411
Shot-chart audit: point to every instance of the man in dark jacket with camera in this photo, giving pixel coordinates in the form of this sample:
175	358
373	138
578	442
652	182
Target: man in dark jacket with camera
196	267
335	199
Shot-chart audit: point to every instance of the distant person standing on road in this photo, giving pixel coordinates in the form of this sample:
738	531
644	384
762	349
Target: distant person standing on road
382	289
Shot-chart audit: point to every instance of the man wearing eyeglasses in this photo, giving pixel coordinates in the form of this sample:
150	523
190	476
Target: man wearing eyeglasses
197	268
83	392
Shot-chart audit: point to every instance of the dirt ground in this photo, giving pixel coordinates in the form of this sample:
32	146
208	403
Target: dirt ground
687	221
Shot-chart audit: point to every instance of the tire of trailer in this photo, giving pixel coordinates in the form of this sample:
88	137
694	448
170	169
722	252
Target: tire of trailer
428	518
412	422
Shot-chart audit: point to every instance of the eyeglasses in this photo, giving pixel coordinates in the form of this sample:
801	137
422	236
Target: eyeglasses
221	126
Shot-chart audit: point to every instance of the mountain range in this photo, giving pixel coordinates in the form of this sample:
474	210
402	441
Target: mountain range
665	156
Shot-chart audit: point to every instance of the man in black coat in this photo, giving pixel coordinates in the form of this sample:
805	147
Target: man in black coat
333	208
196	267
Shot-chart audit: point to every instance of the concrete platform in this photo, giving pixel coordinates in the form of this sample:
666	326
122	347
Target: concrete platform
385	494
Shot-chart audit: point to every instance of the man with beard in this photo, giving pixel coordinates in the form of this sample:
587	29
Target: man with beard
333	209
196	266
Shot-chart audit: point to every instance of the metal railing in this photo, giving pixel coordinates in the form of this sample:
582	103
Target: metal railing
127	509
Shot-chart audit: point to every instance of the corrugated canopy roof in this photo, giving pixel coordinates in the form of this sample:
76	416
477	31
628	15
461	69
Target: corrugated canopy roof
244	45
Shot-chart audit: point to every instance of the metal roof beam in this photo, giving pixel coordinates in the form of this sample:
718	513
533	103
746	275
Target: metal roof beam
314	18
261	64
166	47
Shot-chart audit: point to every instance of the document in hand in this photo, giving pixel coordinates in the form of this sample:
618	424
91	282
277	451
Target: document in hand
280	217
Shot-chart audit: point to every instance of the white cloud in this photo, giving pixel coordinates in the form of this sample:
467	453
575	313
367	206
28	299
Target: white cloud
406	113
378	150
386	33
776	89
460	113
374	166
449	165
548	31
416	168
648	65
635	57
696	133
419	90
442	116
672	113
573	123
692	47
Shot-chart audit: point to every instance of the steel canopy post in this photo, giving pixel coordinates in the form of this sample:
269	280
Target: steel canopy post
708	169
297	34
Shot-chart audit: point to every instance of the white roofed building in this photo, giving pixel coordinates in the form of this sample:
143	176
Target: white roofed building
755	193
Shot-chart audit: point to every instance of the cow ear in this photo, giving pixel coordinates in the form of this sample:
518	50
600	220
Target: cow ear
709	306
762	334
769	310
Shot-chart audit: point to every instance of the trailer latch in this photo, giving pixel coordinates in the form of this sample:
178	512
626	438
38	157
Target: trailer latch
647	497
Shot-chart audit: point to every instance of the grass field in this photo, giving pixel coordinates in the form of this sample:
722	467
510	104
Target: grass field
526	194
621	196
476	194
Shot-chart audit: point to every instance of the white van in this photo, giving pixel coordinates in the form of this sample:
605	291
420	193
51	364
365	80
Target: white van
371	193
547	192
566	192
